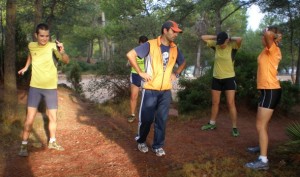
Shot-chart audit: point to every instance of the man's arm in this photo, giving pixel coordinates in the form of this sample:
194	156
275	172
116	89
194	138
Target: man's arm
178	71
28	62
64	57
131	56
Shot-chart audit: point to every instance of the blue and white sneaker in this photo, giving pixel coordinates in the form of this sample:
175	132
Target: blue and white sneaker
255	149
143	147
257	165
159	152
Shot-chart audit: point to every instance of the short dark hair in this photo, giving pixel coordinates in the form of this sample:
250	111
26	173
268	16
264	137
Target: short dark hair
143	39
273	29
170	24
41	26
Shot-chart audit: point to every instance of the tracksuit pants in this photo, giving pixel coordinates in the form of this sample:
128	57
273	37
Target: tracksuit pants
154	108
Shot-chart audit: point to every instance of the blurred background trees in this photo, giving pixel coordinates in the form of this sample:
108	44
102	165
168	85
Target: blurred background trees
97	35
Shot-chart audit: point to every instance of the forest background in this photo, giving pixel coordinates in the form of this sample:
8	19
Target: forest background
97	34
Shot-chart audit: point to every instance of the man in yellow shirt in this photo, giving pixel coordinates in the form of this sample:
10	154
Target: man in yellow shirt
43	83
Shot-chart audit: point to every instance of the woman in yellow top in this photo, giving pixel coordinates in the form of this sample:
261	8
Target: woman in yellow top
269	85
225	48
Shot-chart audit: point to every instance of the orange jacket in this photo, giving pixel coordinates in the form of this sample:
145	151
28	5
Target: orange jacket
161	80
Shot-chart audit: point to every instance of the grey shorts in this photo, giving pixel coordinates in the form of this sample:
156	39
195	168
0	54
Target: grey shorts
36	94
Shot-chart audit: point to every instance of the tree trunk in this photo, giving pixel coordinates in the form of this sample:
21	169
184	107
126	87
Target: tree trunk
90	52
218	21
2	46
38	7
10	88
105	46
198	62
298	70
51	16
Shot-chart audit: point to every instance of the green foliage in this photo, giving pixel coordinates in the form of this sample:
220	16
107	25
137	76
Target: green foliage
195	95
217	165
293	131
245	69
289	95
74	76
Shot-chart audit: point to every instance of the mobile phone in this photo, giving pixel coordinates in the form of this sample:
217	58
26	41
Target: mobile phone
58	48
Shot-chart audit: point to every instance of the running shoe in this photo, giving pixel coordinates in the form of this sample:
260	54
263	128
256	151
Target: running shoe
208	126
55	146
23	151
255	149
143	147
235	132
130	118
257	165
159	152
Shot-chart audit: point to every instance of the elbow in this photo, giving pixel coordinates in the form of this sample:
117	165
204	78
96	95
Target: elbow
66	59
131	55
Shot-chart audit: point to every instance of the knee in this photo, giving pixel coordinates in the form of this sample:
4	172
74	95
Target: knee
231	104
215	103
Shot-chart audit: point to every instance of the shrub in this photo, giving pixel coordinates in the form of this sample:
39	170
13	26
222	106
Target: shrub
289	96
195	95
293	131
74	76
245	69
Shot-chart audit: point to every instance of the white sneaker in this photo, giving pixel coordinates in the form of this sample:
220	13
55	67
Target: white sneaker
143	147
159	152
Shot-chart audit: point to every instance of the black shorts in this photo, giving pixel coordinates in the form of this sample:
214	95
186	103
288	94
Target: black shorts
269	98
135	79
223	84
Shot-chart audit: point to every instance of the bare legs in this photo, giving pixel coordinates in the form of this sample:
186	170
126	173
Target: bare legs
262	121
52	115
133	98
215	104
230	98
31	113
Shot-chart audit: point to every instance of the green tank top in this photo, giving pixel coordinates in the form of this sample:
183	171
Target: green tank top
140	62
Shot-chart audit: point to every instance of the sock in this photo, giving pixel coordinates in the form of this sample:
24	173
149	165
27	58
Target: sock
52	140
25	142
264	159
212	122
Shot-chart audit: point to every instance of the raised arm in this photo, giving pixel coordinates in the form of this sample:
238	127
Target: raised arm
268	38
238	40
64	57
208	37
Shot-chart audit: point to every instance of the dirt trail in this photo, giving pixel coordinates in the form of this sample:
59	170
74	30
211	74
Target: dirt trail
102	146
